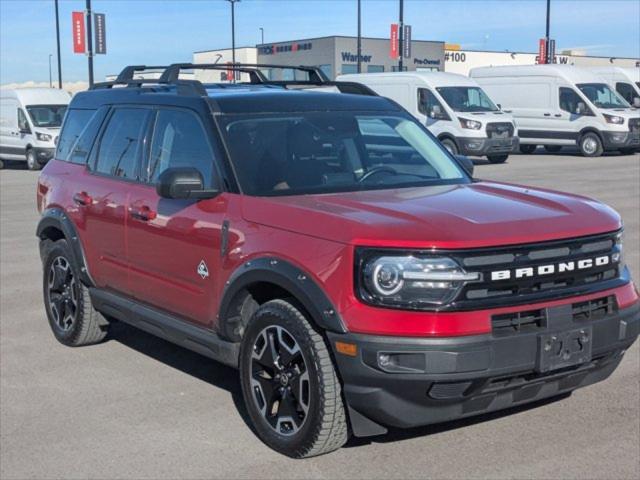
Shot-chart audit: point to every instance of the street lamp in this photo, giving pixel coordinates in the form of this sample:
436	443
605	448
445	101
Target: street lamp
233	34
547	38
359	47
261	36
50	79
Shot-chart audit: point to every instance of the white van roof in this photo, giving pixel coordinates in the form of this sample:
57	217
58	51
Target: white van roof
37	96
630	73
570	73
432	79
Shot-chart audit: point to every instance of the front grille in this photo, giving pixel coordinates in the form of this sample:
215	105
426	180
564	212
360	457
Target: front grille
536	272
500	130
634	125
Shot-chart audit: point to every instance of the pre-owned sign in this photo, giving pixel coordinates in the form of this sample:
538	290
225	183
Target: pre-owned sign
406	42
393	51
100	34
79	42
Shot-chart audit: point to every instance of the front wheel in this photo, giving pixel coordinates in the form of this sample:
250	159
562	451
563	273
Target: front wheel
289	383
498	158
450	145
32	161
528	149
590	145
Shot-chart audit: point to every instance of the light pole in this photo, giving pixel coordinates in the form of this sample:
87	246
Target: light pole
58	47
547	36
89	44
261	36
400	34
50	79
233	34
359	38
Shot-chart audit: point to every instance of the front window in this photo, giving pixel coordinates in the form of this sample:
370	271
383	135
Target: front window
46	115
467	99
326	152
602	96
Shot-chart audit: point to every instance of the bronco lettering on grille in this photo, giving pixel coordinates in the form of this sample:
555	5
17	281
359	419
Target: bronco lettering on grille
562	267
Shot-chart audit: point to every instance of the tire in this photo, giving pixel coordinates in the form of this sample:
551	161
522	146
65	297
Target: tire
497	158
1	164
528	149
71	315
590	145
450	145
32	161
311	422
553	148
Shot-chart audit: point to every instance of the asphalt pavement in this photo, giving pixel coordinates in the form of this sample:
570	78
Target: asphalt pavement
139	407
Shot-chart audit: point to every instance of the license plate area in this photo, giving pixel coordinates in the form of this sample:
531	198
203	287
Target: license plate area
564	349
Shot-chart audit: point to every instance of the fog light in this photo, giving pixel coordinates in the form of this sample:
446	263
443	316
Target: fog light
619	137
384	360
474	145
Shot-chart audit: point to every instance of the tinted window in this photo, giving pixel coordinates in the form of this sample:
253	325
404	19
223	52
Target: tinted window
467	99
602	96
569	101
179	140
121	143
426	101
46	115
82	148
74	123
626	91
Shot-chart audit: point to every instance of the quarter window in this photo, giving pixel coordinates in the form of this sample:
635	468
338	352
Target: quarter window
179	140
121	143
74	124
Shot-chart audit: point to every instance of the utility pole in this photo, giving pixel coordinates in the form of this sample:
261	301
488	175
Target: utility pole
401	35
359	37
547	35
89	44
261	36
58	47
233	35
50	79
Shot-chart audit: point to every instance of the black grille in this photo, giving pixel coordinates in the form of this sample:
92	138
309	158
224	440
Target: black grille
594	309
634	125
500	130
537	283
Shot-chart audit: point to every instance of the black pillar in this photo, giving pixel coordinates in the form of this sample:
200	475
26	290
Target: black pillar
401	34
89	43
359	38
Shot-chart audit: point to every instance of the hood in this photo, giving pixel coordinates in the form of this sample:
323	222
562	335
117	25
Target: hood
481	214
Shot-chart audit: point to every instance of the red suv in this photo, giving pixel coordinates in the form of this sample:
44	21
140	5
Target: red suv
326	245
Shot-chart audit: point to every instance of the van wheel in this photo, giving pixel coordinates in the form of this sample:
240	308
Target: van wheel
528	149
450	145
71	315
32	161
553	148
289	383
590	145
498	158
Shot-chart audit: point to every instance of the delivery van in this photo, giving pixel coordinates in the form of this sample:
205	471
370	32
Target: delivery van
562	105
625	81
453	107
30	120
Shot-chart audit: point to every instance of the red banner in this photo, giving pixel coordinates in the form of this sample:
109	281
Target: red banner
79	37
542	51
394	51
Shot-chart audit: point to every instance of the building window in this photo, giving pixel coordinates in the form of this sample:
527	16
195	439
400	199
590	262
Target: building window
395	68
349	68
375	68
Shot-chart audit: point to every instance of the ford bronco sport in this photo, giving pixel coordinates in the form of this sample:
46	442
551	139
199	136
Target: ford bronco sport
316	237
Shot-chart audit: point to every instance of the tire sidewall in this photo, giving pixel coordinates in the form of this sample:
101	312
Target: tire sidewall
32	161
496	159
450	145
598	150
295	444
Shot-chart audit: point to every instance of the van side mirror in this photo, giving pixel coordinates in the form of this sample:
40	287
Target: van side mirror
23	126
581	108
436	113
499	106
636	102
183	183
466	163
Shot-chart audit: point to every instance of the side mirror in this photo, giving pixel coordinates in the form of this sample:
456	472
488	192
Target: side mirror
581	108
183	183
436	113
466	163
636	102
499	106
24	128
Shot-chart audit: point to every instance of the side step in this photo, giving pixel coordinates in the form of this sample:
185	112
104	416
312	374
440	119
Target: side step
163	325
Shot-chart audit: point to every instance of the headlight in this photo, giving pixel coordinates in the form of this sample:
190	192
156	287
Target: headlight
620	253
43	137
411	281
613	119
472	124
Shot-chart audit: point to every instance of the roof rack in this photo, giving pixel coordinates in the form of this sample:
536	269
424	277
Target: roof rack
171	76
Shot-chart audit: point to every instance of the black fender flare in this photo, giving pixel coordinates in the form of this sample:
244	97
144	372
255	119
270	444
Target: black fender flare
290	278
57	219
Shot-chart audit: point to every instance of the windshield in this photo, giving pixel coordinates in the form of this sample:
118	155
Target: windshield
467	99
46	115
326	152
602	96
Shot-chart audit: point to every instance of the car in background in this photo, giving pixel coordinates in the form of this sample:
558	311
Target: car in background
562	105
453	107
625	81
30	121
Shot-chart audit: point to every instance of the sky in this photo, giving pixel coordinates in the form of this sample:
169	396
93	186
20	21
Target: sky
168	31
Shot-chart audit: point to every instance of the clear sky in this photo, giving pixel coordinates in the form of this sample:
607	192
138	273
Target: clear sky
166	31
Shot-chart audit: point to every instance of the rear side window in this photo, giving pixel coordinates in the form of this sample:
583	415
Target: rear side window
121	144
179	140
626	91
74	123
428	104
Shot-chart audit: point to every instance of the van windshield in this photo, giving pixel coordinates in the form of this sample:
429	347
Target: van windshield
467	99
602	96
46	115
327	152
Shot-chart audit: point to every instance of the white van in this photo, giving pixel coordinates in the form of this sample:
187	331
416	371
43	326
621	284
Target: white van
558	105
453	107
625	81
30	121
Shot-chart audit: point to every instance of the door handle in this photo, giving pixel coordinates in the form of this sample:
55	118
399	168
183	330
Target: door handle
558	115
82	199
547	114
143	213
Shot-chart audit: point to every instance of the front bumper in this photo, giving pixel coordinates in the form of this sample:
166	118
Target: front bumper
440	379
44	154
480	147
617	140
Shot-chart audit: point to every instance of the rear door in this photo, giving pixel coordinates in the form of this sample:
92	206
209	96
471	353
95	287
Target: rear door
174	246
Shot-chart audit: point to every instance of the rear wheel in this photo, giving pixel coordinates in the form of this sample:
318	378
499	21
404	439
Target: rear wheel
590	145
528	149
450	145
553	148
498	158
289	383
32	161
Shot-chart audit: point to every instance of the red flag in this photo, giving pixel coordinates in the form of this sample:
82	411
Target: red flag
79	38
394	52
542	51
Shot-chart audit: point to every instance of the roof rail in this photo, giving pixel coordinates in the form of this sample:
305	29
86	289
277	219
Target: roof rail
128	73
315	74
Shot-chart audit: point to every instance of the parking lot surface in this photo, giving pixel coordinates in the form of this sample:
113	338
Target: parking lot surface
139	407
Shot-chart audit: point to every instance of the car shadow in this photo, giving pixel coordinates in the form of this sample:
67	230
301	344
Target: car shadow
13	165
